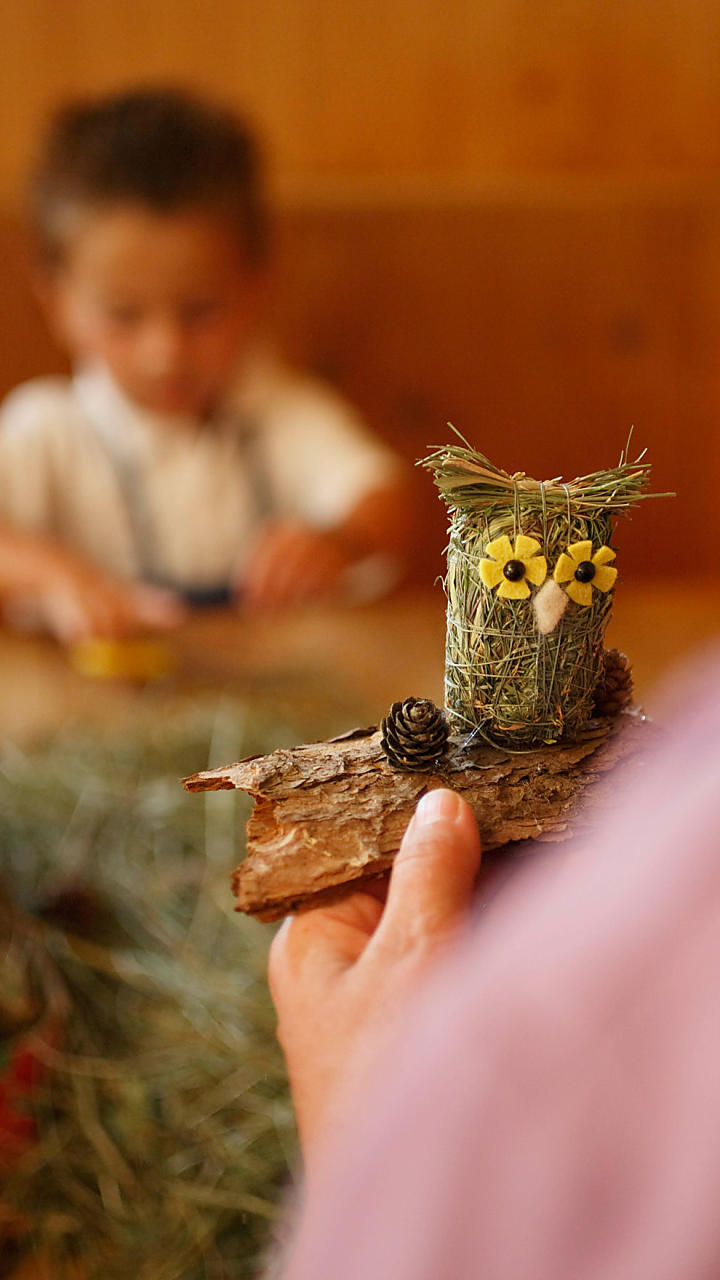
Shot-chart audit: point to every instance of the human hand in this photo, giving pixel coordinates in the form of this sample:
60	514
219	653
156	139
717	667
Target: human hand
77	601
340	975
293	562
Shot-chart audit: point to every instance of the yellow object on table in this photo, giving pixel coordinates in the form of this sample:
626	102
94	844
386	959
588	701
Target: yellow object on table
132	659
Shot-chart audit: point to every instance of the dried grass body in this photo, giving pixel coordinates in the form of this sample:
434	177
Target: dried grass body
505	682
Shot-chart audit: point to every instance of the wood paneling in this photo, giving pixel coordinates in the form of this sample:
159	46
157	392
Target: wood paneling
396	86
502	214
543	333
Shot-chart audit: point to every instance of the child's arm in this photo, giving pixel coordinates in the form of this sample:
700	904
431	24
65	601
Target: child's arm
340	974
293	561
73	598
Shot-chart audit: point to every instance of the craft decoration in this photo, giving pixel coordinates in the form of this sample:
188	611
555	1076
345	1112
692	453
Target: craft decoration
615	689
524	653
584	571
512	567
539	713
414	734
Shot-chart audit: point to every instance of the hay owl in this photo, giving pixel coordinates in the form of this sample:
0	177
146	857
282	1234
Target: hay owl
531	572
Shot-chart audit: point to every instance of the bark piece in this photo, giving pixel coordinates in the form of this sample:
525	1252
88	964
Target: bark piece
329	816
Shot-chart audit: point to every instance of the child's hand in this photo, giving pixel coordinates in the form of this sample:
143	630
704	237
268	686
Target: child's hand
76	601
339	975
291	563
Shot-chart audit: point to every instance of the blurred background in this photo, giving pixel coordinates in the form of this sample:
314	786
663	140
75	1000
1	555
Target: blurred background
503	214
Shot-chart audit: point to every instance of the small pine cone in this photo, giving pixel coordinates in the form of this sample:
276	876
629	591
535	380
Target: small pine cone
414	734
615	687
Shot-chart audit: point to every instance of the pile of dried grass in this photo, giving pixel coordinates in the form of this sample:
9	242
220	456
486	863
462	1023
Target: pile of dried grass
164	1124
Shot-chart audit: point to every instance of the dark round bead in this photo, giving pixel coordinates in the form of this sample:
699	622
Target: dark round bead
514	570
585	571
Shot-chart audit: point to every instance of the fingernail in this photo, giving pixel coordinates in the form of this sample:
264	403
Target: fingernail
439	805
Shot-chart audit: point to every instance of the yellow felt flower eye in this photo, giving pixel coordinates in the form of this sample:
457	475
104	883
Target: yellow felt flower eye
584	571
511	568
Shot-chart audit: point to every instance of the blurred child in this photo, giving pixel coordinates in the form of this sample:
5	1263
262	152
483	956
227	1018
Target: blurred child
181	463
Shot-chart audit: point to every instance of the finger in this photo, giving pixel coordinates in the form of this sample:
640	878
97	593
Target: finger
432	880
296	584
67	621
158	608
258	579
303	568
282	580
268	554
316	574
74	615
290	564
317	945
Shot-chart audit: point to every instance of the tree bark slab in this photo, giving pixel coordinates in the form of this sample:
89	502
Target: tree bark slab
329	816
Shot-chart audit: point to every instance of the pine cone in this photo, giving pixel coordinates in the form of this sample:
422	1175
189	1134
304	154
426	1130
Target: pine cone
615	687
414	734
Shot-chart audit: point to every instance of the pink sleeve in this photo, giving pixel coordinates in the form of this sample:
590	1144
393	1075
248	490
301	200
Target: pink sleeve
551	1110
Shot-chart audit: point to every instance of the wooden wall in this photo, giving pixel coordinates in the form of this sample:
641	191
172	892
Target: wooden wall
503	213
463	87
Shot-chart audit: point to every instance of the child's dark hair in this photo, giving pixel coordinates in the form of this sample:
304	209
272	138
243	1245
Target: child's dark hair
162	148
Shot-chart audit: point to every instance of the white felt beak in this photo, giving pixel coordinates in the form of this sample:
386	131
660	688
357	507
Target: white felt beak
549	605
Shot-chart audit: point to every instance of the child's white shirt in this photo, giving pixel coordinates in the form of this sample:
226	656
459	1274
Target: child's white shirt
174	499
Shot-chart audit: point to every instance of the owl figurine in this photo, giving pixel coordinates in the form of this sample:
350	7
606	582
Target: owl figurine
531	572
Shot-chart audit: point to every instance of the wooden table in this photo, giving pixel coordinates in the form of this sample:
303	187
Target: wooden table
326	669
323	669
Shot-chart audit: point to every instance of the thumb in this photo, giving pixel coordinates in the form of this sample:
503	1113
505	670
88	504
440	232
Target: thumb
433	875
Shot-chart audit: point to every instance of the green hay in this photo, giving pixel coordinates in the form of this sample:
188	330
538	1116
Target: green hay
504	682
166	1129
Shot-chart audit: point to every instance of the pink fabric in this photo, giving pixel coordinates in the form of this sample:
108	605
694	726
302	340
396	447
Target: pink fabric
551	1110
